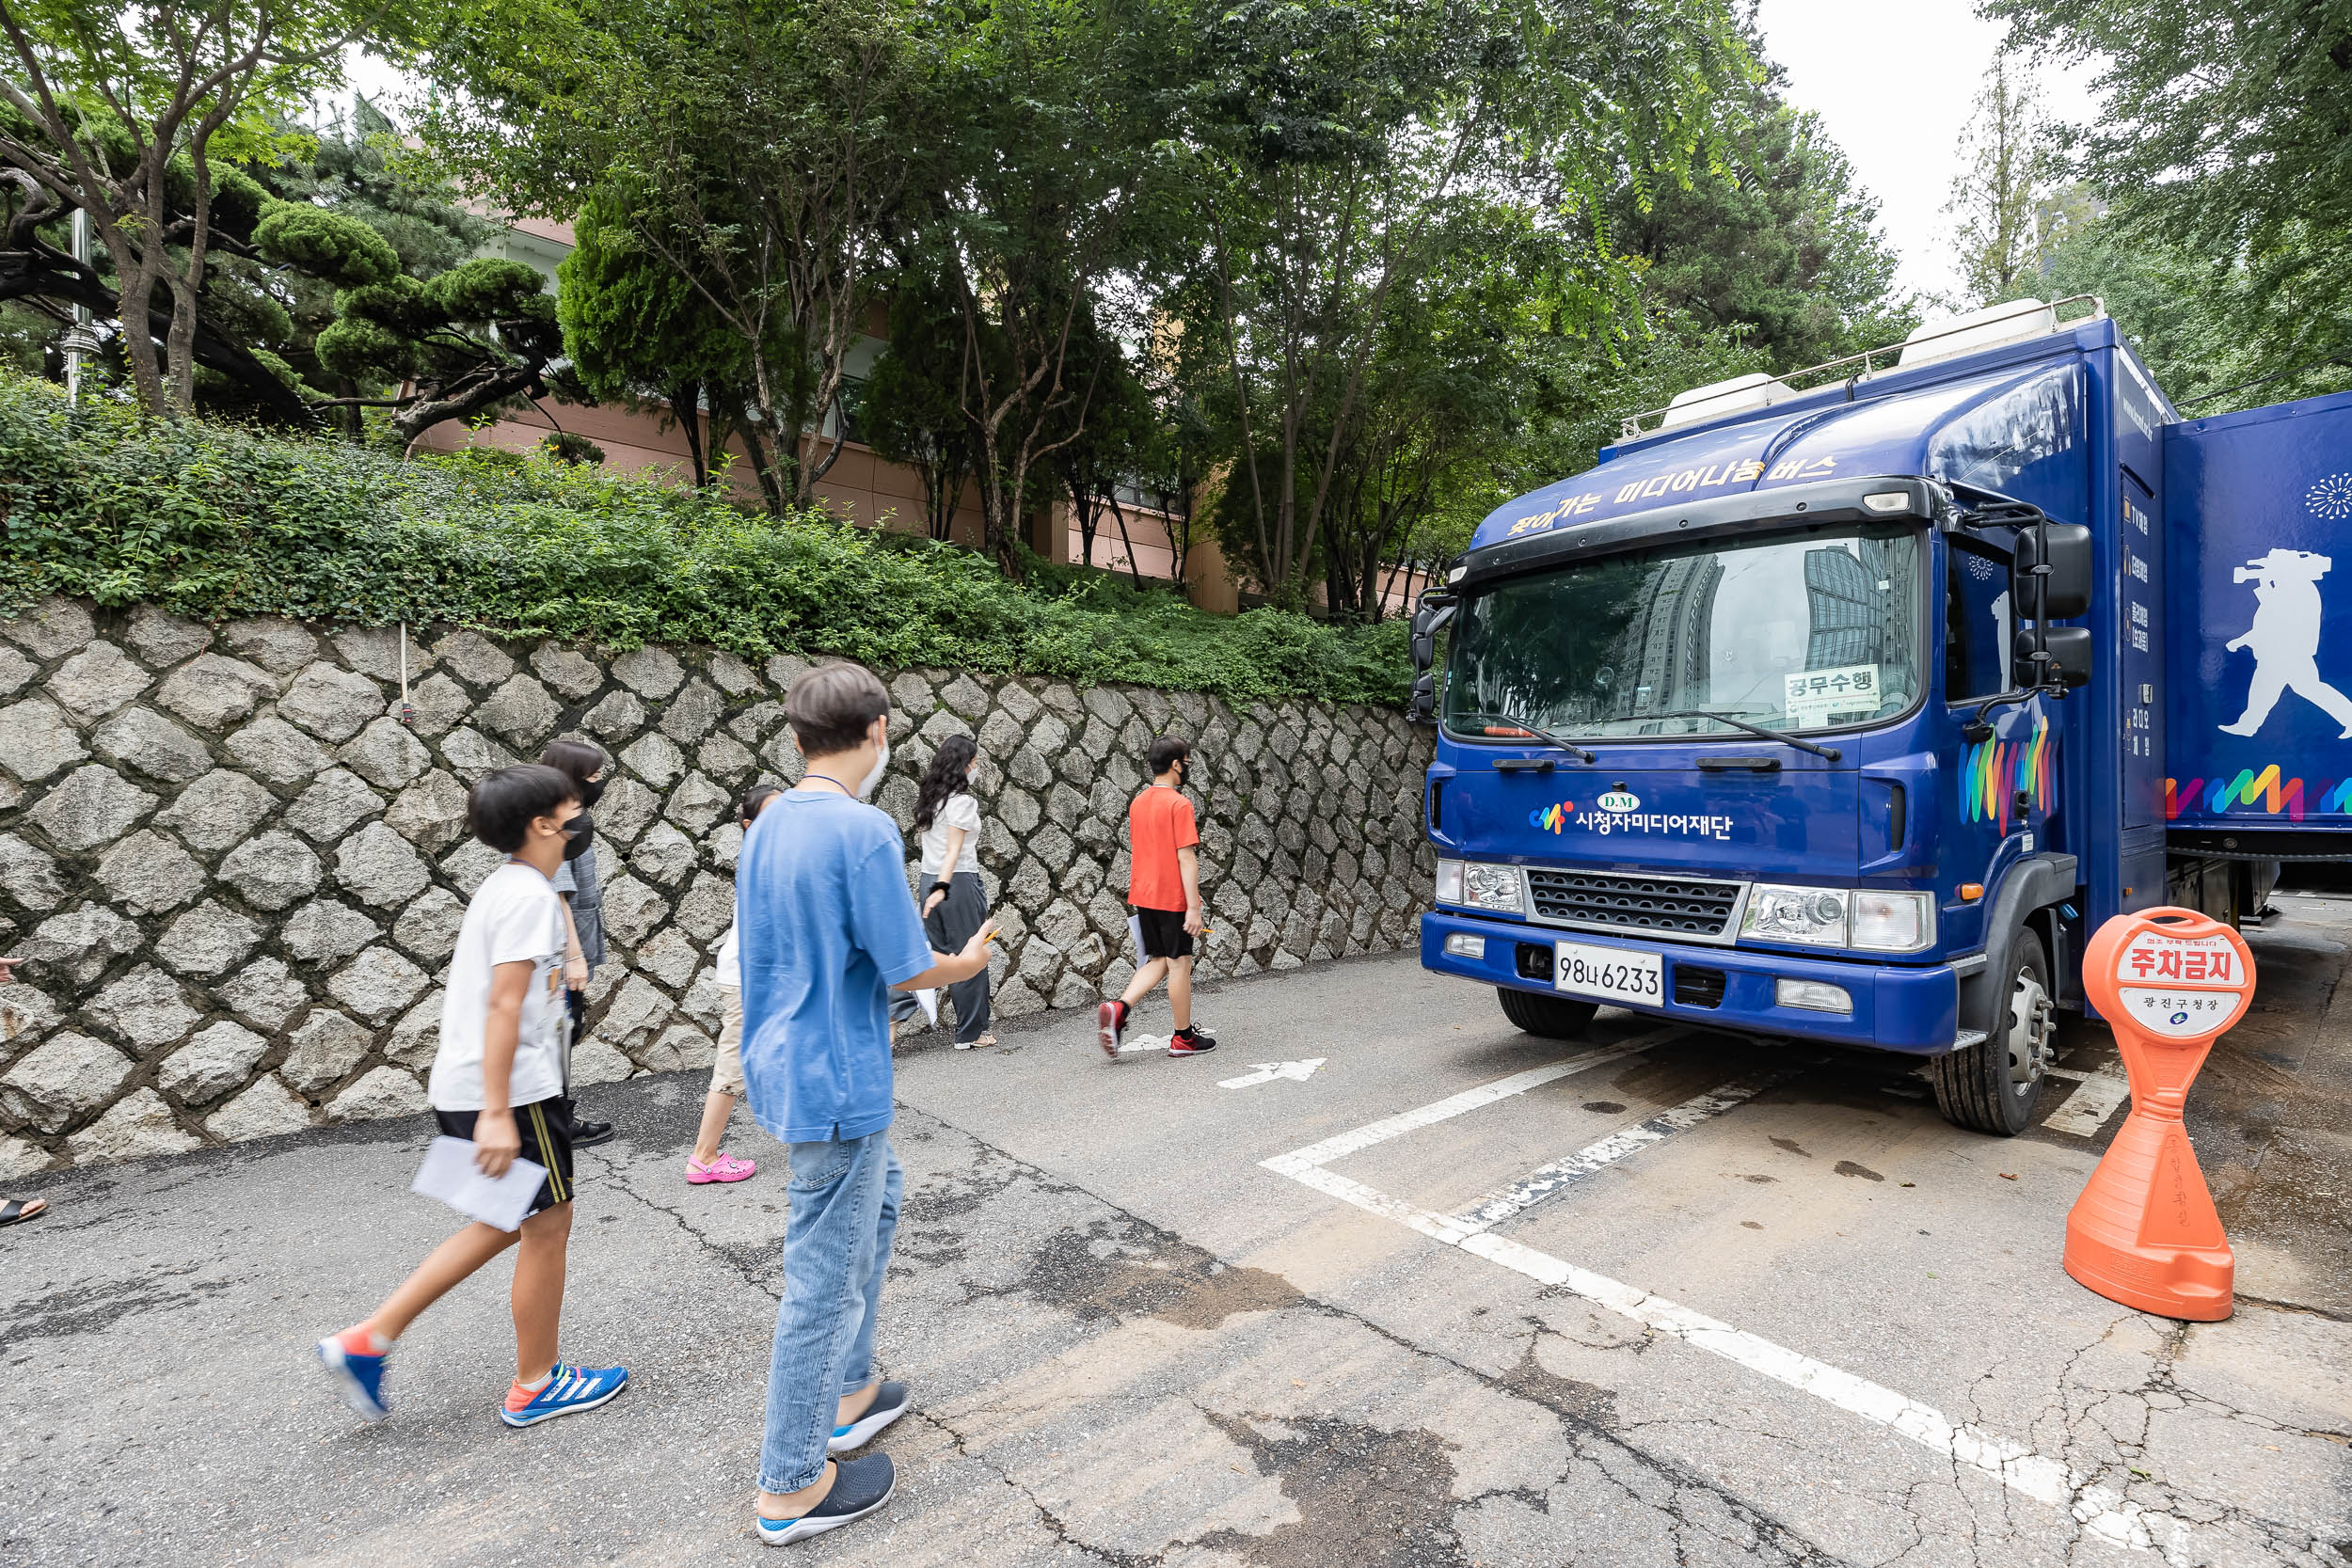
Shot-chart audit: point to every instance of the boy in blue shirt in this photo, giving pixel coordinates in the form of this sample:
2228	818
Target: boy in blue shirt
826	928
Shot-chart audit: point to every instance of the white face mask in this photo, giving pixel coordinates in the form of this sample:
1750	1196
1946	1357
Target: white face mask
874	779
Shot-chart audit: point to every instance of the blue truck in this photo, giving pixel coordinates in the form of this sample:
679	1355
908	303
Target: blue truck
1845	712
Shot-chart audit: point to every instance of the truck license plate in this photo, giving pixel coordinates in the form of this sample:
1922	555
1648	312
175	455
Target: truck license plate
1613	973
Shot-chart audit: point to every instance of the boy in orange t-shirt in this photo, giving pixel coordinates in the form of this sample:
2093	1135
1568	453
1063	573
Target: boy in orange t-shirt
1164	888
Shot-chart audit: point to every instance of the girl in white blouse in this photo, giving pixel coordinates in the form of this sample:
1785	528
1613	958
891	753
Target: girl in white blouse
954	903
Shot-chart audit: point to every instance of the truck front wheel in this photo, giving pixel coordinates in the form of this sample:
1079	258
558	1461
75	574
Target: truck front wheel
1991	1086
1555	1018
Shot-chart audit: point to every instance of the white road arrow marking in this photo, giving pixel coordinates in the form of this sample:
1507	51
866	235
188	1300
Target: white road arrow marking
1269	1071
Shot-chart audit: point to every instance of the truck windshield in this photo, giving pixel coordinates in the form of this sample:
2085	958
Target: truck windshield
1800	631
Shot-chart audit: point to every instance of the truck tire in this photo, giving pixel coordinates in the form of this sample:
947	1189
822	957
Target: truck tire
1555	1018
1991	1086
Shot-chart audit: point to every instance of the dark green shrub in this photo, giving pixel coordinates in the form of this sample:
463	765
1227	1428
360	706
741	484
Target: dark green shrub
214	521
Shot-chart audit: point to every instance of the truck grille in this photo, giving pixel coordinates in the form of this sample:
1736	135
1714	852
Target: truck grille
1616	900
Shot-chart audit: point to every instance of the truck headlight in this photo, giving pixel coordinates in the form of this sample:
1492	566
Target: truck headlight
1815	915
1493	887
1893	922
1474	884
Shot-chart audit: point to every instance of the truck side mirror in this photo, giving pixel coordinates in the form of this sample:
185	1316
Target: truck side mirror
2065	548
2069	651
1428	622
1422	706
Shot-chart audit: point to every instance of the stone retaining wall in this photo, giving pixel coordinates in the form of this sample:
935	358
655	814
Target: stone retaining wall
238	874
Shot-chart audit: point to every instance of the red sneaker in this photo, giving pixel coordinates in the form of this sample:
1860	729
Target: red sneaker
1195	1041
1110	1028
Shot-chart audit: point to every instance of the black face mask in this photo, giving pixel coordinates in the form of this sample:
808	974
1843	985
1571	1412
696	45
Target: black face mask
578	834
591	791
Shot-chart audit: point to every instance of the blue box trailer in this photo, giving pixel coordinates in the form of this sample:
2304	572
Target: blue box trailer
1846	713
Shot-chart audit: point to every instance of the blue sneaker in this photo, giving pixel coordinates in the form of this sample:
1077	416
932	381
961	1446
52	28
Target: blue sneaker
860	1486
569	1389
890	1402
358	1377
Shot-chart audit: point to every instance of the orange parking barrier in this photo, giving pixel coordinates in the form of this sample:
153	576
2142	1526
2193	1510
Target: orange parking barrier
2144	1232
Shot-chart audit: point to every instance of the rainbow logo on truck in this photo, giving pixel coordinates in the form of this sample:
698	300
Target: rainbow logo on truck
1994	773
2266	791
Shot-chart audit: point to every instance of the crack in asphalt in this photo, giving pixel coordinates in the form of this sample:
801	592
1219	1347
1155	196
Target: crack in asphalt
2095	1451
1762	1534
2102	1440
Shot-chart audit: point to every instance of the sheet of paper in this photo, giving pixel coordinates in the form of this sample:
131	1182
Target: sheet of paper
930	999
449	1176
1826	696
1134	935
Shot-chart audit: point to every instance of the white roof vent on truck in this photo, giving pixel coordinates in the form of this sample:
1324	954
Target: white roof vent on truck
1719	398
2012	323
1995	325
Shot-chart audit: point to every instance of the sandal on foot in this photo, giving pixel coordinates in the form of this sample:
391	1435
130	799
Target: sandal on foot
726	1167
18	1209
861	1484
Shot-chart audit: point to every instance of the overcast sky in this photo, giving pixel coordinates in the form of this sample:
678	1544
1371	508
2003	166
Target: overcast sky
1893	83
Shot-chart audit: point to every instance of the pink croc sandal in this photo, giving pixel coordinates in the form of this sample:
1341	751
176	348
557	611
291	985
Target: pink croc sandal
726	1167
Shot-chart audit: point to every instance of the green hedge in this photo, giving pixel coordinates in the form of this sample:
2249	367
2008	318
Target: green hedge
215	520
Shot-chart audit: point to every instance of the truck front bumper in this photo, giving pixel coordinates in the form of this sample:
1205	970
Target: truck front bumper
1896	1008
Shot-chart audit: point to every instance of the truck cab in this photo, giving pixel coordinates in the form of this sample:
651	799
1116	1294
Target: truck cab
1828	715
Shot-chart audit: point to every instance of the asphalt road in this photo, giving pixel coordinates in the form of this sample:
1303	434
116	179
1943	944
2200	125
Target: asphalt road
1653	1297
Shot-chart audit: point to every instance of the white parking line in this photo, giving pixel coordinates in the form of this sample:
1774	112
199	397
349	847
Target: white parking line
2099	1509
2097	1093
1470	1099
1496	1207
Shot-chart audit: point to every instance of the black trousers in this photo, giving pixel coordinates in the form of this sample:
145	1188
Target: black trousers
949	926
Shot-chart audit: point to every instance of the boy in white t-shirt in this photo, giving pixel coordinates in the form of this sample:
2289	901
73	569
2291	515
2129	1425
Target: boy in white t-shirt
497	1081
709	1163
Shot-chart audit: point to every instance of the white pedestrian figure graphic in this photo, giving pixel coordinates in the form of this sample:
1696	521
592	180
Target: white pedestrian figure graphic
2285	639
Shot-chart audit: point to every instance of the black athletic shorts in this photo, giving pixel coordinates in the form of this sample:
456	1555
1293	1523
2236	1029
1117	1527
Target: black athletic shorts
1164	933
546	1128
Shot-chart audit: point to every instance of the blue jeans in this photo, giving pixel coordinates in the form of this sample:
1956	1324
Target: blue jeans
836	1246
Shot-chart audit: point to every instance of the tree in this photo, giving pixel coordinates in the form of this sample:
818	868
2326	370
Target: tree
1780	247
1052	181
128	111
479	335
1110	448
2009	201
763	148
38	268
1440	392
2191	319
912	410
1345	138
303	245
638	331
2219	146
351	167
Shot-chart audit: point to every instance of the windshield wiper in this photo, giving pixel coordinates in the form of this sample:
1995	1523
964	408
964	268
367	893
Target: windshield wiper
1539	733
1829	753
